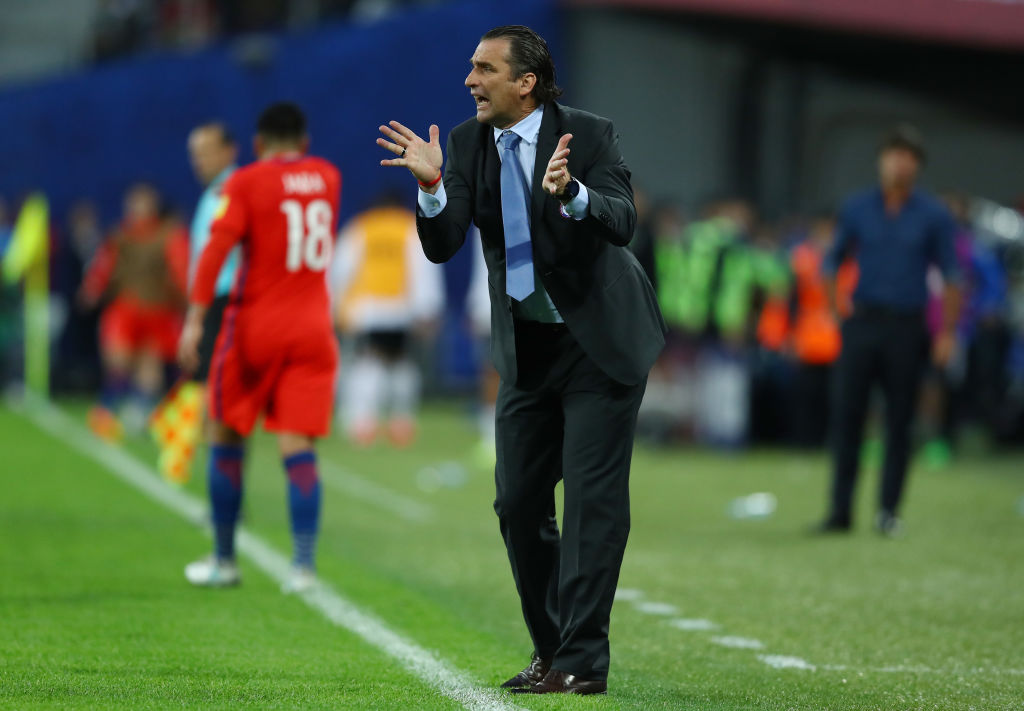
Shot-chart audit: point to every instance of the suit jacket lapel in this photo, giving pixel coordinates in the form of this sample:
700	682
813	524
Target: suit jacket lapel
492	166
547	139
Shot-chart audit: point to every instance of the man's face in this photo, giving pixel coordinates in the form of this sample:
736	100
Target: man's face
898	167
209	154
501	100
141	203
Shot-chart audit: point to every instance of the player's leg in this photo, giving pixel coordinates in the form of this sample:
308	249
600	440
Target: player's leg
299	413
116	357
299	458
365	385
227	454
855	374
234	404
903	361
403	387
147	382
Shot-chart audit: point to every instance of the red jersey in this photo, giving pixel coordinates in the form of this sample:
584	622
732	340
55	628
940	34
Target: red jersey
284	212
276	353
145	261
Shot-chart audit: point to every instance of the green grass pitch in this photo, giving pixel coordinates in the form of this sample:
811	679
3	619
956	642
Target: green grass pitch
721	613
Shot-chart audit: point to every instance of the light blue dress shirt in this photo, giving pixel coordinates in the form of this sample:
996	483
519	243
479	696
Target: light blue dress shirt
538	305
206	212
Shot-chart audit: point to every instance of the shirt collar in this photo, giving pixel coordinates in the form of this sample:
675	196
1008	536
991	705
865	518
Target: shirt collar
221	177
527	129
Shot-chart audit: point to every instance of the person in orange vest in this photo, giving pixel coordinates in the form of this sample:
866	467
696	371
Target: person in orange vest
142	269
385	293
815	336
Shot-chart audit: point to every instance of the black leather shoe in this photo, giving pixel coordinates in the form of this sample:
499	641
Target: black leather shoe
832	524
533	674
557	682
889	524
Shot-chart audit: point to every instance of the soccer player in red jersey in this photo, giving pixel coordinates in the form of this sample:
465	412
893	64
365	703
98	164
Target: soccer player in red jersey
143	269
276	354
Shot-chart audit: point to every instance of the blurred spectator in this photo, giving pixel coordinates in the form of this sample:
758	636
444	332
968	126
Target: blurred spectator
6	227
772	371
666	412
253	15
386	293
122	27
973	384
478	312
643	238
141	270
186	23
212	152
10	300
706	279
816	340
78	365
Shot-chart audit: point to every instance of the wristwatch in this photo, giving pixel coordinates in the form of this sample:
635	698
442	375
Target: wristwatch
572	189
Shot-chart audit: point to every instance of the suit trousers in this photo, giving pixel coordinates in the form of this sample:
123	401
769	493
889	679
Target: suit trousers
888	348
564	419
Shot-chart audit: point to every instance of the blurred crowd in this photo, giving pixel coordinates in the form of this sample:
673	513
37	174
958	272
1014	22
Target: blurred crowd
749	360
754	335
123	27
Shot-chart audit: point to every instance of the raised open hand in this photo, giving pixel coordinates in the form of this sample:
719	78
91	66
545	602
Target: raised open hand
556	177
422	158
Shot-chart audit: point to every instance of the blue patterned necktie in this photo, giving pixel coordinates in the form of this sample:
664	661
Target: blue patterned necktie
514	215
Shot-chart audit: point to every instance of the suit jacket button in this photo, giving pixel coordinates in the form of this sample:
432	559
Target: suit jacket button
604	216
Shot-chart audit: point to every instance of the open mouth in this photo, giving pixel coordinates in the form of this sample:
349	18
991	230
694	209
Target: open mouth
482	101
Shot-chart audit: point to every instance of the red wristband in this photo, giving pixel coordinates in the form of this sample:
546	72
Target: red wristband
432	183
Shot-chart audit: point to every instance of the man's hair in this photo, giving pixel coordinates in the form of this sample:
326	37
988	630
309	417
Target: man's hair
528	54
282	122
223	132
905	137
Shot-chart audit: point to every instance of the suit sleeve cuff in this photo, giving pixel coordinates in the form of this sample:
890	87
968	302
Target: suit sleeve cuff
432	205
579	206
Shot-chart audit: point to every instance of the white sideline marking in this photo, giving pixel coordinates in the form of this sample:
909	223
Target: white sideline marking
655	608
780	661
918	669
421	662
628	594
693	625
373	493
738	642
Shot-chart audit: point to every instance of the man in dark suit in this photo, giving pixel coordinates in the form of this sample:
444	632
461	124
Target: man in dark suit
575	329
894	231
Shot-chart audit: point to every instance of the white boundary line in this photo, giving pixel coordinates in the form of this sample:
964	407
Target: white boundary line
638	599
423	663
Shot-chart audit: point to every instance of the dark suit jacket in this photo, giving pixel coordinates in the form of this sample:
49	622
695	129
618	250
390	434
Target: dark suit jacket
593	279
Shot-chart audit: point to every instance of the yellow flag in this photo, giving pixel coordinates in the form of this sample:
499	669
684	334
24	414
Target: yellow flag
28	259
30	239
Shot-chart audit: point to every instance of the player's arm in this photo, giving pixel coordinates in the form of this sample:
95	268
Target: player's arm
944	255
836	255
98	275
177	256
444	213
225	232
